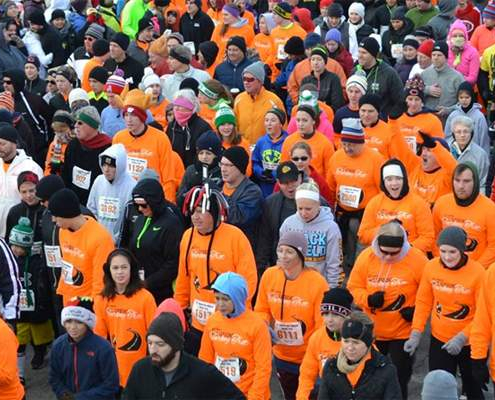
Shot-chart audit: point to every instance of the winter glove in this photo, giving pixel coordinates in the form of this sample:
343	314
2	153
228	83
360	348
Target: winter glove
407	313
411	344
455	344
480	372
376	299
427	140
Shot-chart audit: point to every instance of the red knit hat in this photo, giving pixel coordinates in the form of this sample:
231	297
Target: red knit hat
426	47
325	3
7	101
115	84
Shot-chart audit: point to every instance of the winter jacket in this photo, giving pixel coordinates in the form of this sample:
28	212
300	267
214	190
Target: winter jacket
330	90
469	58
230	74
344	58
266	156
112	120
35	215
10	284
137	53
132	13
193	379
77	21
197	29
194	177
441	22
37	86
470	15
170	83
10	56
448	79
323	27
324	252
377	381
404	68
87	369
480	128
245	205
392	37
183	138
482	38
421	18
133	70
9	193
154	241
381	20
107	199
476	155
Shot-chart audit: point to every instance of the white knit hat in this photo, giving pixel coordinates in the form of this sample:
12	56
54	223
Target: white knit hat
359	81
358	8
78	94
149	78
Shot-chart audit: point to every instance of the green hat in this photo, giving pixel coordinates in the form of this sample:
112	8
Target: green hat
225	115
22	234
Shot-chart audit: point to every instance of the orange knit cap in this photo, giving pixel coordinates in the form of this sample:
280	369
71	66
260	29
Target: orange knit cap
137	102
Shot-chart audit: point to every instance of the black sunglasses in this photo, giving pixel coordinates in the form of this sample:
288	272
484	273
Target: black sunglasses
297	159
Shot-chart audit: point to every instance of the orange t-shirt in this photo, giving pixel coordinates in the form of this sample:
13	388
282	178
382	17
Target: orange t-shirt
246	31
354	376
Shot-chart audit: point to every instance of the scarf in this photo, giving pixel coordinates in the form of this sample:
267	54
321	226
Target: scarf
353	41
344	365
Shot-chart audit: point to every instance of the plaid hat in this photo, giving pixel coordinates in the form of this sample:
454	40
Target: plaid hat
80	309
225	115
352	132
115	84
95	31
426	47
121	39
33	60
371	45
64	204
210	141
22	234
27	176
99	74
441	46
239	42
337	301
283	10
287	172
7	101
238	156
181	53
489	11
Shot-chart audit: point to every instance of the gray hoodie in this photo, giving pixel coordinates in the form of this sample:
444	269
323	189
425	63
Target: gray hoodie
324	251
441	23
107	200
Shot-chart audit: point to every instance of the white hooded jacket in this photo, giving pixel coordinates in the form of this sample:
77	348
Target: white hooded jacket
107	199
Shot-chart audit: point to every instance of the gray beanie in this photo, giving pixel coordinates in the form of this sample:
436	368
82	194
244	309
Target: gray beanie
296	240
168	327
181	53
439	385
453	236
90	116
96	31
257	69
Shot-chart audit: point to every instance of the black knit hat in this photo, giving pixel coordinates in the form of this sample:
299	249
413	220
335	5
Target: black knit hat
99	74
371	46
58	13
143	24
48	185
337	301
210	141
294	46
100	47
37	17
371	98
239	42
168	327
441	46
335	10
357	330
237	156
209	50
8	132
190	83
121	39
411	42
64	204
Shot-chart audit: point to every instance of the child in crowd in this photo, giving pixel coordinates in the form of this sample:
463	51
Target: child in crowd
62	125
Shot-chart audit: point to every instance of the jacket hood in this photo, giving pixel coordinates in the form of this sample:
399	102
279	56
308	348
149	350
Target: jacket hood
325	216
18	79
403	252
3	43
234	286
460	26
476	189
406	29
405	185
119	154
447	6
151	190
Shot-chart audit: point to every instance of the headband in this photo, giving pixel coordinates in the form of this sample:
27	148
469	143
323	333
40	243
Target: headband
307	194
207	91
390	241
392	170
334	309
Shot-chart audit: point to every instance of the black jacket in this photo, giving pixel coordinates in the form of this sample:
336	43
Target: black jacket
377	381
57	102
155	240
330	89
37	87
196	29
193	379
51	42
183	139
133	70
392	36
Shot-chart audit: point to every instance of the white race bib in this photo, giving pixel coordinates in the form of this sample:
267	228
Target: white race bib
289	333
201	310
108	207
396	50
23	300
81	178
281	54
349	196
411	142
67	269
136	165
229	367
53	256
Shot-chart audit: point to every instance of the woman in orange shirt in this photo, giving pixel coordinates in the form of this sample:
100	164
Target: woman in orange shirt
237	340
215	11
263	42
124	310
212	95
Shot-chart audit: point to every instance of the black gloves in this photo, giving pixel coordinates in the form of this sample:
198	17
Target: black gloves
480	372
407	313
376	299
427	140
267	176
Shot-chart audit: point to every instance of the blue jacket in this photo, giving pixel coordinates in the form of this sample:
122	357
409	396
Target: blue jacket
266	155
231	75
87	369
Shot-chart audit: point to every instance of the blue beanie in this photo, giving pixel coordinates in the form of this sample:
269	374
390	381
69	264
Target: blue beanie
234	286
333	34
311	40
210	141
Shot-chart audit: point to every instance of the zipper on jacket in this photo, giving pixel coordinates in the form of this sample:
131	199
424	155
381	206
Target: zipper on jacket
143	231
76	377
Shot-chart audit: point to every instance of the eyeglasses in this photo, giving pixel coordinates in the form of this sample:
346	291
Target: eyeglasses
248	79
141	205
50	82
89	38
390	253
297	159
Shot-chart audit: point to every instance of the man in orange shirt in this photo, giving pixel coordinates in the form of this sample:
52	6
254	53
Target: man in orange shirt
284	29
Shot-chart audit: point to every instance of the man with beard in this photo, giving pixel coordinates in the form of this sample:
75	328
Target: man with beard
170	373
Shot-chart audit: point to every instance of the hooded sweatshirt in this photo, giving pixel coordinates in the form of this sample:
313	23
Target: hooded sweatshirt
107	199
324	252
239	344
471	17
399	280
467	62
409	208
475	215
440	23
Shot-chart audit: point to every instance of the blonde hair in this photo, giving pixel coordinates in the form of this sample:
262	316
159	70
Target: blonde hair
302	146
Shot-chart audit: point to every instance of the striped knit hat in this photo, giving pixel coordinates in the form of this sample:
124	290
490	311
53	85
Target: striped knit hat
352	133
7	101
225	115
358	81
489	11
115	84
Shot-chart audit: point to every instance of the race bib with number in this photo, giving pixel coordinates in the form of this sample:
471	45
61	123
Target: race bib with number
349	196
396	50
281	54
81	178
411	142
201	310
23	300
67	269
53	256
289	333
230	367
108	207
136	165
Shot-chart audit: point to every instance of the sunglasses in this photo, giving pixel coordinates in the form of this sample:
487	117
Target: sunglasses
50	82
297	159
248	79
390	253
141	205
89	38
7	82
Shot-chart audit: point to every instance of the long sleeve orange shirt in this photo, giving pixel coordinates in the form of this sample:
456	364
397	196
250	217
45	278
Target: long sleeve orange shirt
152	149
241	348
476	219
280	35
348	175
265	47
449	297
425	122
320	348
10	386
292	307
399	281
125	321
83	254
482	335
384	139
246	31
230	251
412	210
321	148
